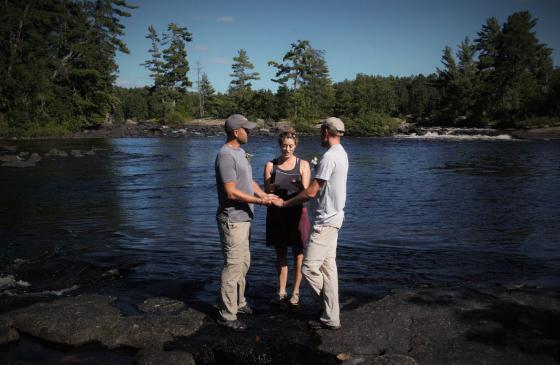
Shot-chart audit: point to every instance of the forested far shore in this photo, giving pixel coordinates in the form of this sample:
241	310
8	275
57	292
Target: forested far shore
59	71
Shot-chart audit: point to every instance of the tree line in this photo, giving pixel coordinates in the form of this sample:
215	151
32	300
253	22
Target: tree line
59	69
57	63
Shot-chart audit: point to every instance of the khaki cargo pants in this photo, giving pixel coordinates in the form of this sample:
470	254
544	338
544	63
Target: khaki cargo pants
234	239
320	271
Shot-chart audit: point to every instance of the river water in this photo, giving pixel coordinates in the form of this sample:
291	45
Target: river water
137	218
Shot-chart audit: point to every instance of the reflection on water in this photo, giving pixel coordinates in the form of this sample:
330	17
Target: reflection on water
137	219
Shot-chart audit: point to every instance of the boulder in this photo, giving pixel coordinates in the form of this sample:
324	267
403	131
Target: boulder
89	319
450	326
57	153
19	161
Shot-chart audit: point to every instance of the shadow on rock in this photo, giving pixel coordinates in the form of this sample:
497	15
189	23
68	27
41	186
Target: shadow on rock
513	322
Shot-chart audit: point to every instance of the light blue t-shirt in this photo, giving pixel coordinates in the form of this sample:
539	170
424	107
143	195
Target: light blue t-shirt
331	199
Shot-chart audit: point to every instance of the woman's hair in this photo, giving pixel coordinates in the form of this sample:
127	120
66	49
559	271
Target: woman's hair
288	133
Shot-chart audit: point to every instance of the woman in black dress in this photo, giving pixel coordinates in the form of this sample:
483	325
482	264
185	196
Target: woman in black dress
286	176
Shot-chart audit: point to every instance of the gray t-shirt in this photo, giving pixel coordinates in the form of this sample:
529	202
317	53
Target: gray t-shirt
331	199
232	165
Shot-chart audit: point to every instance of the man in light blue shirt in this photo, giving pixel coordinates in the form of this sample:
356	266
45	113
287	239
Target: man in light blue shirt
329	189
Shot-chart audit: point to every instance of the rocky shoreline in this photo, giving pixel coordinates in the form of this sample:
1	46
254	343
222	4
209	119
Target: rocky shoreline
11	157
215	128
461	325
549	133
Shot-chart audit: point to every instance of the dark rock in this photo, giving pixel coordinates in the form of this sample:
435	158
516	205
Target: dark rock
76	153
7	148
18	161
10	159
57	153
161	306
8	335
87	319
550	133
155	357
461	326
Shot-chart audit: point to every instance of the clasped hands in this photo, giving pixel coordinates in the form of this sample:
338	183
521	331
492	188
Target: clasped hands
272	199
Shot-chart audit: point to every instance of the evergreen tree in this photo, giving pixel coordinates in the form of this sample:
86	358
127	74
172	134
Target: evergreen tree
447	82
207	92
59	61
169	70
241	76
305	67
240	87
176	65
467	84
523	67
155	63
488	44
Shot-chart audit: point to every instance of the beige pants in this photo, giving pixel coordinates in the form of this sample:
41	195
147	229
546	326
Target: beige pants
234	238
319	269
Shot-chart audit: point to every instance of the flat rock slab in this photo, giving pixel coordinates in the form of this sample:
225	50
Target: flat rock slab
446	326
90	319
407	327
19	160
161	306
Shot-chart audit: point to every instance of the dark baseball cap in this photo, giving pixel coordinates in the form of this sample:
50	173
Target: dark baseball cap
236	121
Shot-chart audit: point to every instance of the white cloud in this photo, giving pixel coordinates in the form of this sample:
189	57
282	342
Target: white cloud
225	19
220	61
200	47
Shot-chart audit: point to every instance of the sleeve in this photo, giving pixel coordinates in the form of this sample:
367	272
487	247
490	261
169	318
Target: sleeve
325	168
226	168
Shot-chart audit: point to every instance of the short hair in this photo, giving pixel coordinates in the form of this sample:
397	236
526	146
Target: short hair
288	133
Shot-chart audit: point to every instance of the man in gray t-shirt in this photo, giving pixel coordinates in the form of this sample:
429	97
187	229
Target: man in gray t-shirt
329	189
237	193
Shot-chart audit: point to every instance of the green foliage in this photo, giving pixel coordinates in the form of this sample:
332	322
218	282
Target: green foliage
371	124
58	63
169	70
58	71
175	65
241	77
538	122
312	94
509	83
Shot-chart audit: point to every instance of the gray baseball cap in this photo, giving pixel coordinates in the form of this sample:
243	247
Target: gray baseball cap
332	122
236	121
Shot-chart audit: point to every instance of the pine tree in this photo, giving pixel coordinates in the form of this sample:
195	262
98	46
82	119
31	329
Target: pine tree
176	65
488	44
312	92
467	83
60	61
523	66
241	76
206	92
155	63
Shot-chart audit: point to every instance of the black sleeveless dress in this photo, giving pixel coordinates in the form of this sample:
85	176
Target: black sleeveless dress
282	223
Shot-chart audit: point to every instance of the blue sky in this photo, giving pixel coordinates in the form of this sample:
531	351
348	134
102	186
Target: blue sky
398	37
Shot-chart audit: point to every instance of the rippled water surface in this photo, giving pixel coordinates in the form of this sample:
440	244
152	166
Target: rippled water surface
137	219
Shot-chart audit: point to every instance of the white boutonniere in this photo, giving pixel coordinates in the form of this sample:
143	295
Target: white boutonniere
314	161
249	156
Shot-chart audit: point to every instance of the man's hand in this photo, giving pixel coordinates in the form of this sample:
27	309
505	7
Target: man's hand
268	199
279	202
